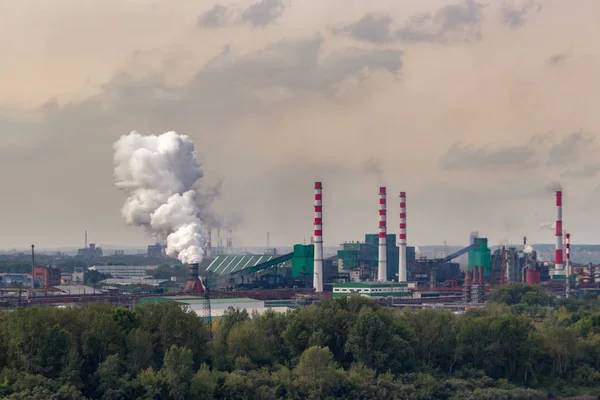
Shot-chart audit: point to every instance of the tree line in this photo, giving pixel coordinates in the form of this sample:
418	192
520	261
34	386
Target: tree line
524	345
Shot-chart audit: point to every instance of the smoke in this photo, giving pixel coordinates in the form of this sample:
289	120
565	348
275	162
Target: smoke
548	226
554	187
159	174
373	168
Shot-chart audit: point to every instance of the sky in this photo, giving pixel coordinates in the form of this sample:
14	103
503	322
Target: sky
476	109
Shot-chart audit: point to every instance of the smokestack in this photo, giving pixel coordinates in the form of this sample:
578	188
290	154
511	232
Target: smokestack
85	240
524	240
382	270
558	263
193	284
481	275
318	238
32	266
208	241
402	239
219	243
229	241
568	254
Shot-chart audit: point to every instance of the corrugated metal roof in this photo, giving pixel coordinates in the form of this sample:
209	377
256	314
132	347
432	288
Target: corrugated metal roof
226	264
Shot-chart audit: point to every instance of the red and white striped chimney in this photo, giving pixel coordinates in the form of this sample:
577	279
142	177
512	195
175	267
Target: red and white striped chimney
318	239
382	270
568	254
558	263
402	239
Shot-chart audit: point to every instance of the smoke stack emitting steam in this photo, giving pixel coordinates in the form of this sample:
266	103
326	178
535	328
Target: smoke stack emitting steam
158	173
382	265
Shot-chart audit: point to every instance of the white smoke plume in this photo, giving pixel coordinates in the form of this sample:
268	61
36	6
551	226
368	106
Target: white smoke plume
159	174
548	226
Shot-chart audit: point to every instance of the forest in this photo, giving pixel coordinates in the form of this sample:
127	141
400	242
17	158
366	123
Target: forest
523	345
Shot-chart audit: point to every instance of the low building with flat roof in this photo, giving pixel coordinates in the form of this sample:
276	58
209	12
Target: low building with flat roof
373	289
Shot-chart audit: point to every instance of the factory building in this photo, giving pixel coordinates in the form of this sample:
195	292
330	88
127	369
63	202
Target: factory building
90	252
46	277
480	255
124	271
359	260
156	251
373	289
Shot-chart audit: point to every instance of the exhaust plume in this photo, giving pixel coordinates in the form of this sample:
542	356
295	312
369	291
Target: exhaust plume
158	174
553	187
548	226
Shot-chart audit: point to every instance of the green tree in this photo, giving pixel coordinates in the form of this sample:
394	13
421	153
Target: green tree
178	370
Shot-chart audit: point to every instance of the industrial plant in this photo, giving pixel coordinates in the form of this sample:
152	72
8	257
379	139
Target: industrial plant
382	267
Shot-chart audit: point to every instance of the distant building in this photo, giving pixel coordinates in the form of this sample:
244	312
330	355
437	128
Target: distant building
66	279
78	276
119	252
15	280
124	271
70	290
90	252
156	251
46	276
373	289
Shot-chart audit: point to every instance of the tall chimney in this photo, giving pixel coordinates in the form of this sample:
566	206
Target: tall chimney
568	254
229	241
208	241
402	239
32	266
318	238
85	240
558	263
382	270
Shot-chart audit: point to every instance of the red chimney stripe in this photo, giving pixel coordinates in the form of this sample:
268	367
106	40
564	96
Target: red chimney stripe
382	224
382	235
318	185
402	215
382	212
382	201
402	205
559	257
318	232
402	236
318	208
402	225
318	196
318	221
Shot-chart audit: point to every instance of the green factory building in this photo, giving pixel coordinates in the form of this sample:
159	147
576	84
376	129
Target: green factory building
480	254
355	255
372	289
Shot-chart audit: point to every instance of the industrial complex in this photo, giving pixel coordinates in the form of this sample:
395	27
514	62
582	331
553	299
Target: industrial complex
382	267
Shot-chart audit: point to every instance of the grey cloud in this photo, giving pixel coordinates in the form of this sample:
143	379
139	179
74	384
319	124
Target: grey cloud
568	148
263	12
220	93
515	16
452	23
216	17
462	157
587	171
557	59
372	27
297	65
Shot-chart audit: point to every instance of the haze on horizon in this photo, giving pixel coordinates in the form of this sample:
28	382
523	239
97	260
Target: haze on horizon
472	107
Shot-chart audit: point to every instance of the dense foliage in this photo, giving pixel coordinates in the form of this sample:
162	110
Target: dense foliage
524	348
